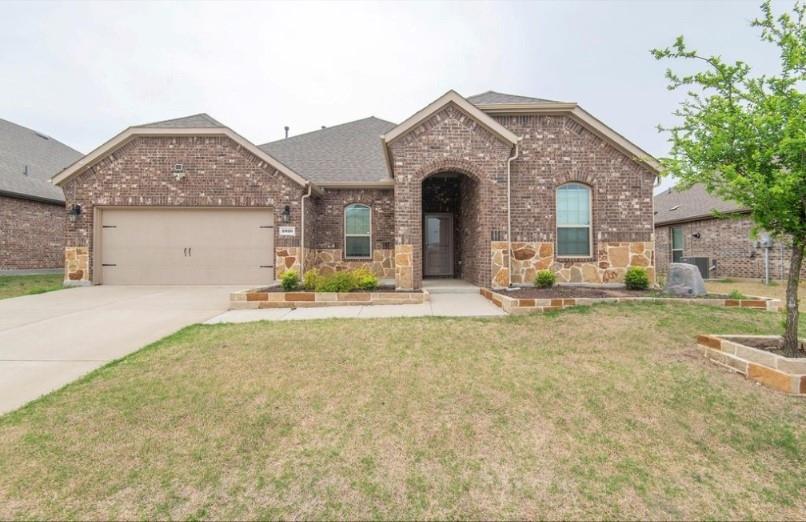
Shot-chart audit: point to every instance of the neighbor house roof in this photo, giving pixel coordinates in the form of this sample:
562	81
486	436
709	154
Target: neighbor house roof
672	205
350	152
499	98
193	125
24	150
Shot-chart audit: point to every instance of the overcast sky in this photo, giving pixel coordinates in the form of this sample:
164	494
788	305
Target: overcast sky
83	72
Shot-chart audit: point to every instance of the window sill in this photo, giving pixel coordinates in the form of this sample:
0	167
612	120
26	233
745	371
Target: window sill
574	259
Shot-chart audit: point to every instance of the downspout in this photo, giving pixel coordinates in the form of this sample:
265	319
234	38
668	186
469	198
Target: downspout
509	215
302	230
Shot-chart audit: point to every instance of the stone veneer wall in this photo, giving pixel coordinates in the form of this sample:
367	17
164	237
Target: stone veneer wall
31	234
610	265
729	243
220	173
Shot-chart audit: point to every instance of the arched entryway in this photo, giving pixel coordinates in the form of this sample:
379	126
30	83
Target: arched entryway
453	227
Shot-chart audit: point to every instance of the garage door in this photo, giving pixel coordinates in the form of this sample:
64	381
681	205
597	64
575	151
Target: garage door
187	246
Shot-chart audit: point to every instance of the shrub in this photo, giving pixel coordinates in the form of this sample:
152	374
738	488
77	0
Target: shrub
364	279
338	282
636	278
289	280
735	294
545	279
311	279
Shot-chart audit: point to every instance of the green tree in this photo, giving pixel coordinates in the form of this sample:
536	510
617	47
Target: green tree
744	136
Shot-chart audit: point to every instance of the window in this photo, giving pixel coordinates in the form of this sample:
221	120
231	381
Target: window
574	220
357	232
677	244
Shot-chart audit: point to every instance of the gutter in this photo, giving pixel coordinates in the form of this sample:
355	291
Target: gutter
302	230
509	213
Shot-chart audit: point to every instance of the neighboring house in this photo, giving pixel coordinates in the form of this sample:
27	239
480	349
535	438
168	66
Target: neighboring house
189	201
693	223
32	213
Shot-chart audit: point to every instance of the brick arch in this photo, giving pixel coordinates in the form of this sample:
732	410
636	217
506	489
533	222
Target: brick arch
450	165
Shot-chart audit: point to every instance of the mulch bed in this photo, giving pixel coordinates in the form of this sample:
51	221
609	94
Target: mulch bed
769	344
385	289
571	292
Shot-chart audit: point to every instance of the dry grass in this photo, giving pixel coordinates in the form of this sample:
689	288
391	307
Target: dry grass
588	413
15	286
749	287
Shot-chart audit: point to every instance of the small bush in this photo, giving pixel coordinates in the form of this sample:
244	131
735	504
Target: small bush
338	282
289	280
636	278
735	294
545	279
311	279
364	279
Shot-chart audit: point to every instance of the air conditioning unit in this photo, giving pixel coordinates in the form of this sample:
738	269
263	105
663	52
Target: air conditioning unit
702	264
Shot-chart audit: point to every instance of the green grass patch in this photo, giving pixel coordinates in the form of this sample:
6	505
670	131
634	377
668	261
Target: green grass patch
15	286
602	412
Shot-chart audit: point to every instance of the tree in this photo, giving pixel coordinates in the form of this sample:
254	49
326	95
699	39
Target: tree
744	136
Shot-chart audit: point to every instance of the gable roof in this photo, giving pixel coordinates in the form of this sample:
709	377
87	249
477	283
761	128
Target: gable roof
194	121
176	127
350	152
672	206
43	156
498	98
468	108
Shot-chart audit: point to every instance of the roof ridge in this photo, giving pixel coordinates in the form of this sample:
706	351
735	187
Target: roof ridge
204	115
327	129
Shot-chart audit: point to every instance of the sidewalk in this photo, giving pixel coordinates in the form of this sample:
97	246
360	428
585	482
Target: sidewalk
444	305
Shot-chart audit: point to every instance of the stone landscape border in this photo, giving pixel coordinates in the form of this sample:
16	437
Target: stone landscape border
774	371
255	298
520	305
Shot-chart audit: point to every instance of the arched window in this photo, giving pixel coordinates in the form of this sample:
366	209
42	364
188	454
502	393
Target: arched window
357	232
574	220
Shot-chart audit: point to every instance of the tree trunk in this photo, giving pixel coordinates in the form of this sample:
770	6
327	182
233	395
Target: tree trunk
791	334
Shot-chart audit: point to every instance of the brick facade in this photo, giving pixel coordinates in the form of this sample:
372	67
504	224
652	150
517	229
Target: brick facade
728	242
220	173
554	150
327	248
31	234
450	141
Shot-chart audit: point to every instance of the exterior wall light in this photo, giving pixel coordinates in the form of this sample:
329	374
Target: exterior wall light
286	215
74	212
696	235
178	171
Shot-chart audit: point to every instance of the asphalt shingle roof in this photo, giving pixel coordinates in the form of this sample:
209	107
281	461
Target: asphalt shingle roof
343	153
498	98
194	121
672	205
43	156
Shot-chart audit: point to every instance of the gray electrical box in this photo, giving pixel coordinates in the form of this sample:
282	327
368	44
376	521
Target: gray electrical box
701	263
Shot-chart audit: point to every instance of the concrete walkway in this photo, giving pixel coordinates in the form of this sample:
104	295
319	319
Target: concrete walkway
51	339
441	304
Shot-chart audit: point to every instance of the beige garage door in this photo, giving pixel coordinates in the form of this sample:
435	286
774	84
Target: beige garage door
187	246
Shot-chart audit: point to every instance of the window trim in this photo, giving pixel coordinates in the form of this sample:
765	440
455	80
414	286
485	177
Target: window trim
557	225
345	235
682	250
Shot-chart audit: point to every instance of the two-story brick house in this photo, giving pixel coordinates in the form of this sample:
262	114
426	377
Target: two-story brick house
489	188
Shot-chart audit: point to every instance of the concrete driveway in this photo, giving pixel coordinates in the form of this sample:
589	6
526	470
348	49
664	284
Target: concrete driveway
49	340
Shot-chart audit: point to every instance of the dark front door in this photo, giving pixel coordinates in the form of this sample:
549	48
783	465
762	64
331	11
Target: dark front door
438	245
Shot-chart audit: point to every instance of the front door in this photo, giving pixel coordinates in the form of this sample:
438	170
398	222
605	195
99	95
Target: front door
438	245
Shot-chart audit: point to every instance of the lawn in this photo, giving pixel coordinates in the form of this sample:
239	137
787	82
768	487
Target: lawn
749	287
603	412
15	286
